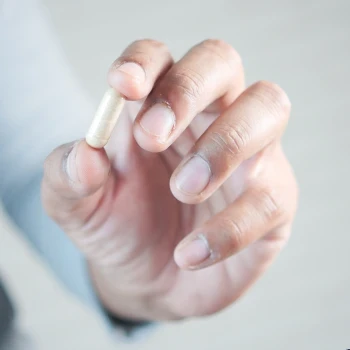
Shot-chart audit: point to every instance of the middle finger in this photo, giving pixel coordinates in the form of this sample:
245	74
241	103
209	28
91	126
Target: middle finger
251	123
210	71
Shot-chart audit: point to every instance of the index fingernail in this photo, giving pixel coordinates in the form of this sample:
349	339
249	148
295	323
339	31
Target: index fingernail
158	121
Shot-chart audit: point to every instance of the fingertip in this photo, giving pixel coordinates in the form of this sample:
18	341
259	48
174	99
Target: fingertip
180	262
87	167
154	127
73	171
129	79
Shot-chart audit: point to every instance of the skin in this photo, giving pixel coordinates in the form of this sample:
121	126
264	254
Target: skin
162	245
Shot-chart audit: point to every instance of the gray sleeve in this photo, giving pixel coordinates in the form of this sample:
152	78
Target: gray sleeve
42	103
6	314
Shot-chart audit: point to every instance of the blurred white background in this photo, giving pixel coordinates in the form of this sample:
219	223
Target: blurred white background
303	302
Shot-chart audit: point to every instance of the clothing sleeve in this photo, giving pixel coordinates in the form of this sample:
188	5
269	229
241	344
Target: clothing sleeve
42	105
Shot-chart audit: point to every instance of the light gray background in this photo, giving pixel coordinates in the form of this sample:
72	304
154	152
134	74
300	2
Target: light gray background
303	302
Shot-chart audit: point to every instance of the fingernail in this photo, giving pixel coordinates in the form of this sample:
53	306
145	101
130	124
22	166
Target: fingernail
69	163
193	253
158	121
194	176
125	72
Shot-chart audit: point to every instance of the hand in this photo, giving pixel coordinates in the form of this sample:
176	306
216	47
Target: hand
232	196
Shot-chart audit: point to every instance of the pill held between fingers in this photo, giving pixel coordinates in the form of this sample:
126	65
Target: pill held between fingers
105	119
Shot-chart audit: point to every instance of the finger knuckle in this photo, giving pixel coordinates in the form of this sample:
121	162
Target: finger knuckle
231	139
142	52
187	82
292	189
217	44
296	192
149	43
235	231
273	95
221	46
269	202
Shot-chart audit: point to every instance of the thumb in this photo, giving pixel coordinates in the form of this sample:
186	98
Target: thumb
75	177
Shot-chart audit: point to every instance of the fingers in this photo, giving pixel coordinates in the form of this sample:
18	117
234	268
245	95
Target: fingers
256	212
253	121
74	177
211	71
136	71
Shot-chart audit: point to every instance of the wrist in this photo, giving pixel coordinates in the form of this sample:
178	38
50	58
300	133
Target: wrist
120	304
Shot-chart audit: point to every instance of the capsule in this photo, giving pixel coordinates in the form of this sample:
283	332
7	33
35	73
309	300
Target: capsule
105	119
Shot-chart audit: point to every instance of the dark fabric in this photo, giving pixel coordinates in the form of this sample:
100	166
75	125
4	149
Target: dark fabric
129	327
6	313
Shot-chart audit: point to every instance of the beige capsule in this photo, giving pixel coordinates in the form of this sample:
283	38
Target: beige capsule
105	119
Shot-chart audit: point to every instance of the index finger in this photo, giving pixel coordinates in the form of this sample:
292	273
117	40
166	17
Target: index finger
135	72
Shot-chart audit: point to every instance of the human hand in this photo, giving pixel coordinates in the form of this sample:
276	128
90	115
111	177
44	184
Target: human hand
198	170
